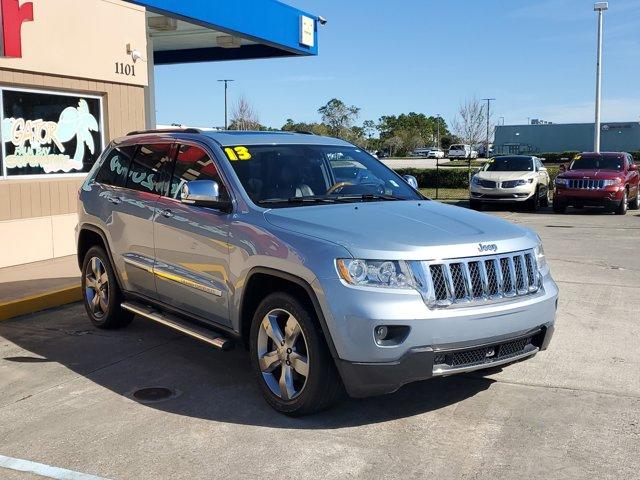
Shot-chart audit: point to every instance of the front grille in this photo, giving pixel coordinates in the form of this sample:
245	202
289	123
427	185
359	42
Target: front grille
481	279
585	184
510	184
482	355
486	183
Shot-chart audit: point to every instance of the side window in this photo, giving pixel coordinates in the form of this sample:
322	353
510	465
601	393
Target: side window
146	167
115	167
193	163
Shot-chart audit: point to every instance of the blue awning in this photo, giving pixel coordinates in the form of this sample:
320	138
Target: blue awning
212	30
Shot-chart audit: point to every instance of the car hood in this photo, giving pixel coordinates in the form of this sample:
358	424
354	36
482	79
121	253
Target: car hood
410	230
592	174
503	176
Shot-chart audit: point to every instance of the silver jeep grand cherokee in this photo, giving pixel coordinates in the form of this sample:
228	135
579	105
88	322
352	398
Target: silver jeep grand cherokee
331	269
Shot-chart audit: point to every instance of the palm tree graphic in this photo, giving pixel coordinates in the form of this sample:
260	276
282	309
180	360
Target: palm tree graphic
78	123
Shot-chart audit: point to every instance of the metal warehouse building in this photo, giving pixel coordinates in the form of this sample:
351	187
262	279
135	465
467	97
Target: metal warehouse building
76	73
615	137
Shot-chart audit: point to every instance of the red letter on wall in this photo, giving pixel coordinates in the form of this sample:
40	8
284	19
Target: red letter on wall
13	15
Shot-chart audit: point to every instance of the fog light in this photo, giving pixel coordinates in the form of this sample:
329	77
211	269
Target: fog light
381	333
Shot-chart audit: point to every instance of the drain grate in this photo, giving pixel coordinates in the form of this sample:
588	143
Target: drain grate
154	394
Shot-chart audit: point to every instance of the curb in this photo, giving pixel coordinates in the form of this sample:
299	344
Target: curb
40	301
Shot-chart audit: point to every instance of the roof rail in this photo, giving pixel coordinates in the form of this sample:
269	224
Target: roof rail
165	130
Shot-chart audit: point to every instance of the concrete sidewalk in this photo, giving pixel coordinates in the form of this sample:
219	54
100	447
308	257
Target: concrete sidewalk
36	286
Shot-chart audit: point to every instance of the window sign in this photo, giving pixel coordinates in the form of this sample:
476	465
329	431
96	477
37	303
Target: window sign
46	133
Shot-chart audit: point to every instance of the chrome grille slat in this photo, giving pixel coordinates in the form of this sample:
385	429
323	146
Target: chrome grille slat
481	279
585	184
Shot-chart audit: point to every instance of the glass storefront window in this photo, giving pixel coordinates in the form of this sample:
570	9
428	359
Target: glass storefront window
48	133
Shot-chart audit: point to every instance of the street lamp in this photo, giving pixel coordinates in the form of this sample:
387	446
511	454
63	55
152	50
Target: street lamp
599	7
486	152
226	81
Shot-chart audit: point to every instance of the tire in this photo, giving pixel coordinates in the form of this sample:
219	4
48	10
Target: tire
635	203
559	206
624	203
533	204
475	205
544	201
99	281
321	388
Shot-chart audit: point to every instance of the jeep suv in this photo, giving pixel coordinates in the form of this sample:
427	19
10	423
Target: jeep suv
608	179
333	280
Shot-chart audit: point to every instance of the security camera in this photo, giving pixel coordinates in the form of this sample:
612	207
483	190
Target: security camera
322	20
136	55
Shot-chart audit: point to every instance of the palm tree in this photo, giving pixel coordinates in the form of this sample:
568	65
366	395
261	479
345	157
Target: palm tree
78	123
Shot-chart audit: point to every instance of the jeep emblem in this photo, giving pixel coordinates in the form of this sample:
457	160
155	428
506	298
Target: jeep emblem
487	247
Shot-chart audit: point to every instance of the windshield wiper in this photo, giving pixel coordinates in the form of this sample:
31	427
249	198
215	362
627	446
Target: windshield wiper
367	197
299	200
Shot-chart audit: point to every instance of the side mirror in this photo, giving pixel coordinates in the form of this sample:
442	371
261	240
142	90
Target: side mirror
204	193
562	168
633	167
411	180
543	169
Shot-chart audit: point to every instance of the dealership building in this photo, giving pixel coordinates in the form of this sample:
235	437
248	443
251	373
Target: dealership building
556	137
76	74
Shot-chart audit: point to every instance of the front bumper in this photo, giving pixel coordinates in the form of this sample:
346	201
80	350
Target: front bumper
369	368
368	379
516	194
608	197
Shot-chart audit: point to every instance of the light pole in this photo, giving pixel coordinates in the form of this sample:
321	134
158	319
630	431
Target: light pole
489	100
599	7
438	159
438	128
226	81
501	120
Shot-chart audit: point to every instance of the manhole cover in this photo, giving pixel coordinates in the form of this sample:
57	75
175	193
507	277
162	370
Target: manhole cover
154	394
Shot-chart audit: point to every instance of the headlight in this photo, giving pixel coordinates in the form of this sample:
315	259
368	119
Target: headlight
524	182
475	180
614	181
562	182
540	257
376	273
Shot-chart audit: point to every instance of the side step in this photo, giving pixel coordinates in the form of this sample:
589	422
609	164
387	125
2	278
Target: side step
209	336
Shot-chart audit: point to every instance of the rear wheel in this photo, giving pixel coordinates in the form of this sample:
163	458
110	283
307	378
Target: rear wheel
290	357
101	294
622	208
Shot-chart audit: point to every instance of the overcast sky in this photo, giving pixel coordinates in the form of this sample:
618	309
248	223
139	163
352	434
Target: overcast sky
537	58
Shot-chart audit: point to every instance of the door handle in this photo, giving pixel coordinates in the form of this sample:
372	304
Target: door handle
115	200
166	213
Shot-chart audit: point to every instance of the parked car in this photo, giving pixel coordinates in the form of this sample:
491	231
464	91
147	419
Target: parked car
608	179
435	152
419	152
353	282
460	151
513	178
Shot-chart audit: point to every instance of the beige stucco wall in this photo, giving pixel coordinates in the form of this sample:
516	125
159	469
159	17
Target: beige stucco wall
84	39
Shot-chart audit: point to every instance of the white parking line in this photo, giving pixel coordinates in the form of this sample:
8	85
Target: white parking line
44	470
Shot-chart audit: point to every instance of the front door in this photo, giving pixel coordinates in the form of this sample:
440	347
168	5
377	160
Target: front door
192	243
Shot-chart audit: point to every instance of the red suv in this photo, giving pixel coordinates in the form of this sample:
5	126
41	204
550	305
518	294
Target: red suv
608	179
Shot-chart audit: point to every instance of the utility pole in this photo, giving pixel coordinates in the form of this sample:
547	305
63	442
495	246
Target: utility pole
599	7
226	82
438	127
489	100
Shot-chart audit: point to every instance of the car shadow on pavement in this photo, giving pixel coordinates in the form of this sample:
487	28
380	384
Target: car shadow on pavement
208	384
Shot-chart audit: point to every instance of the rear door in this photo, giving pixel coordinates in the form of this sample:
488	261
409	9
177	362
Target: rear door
132	226
192	243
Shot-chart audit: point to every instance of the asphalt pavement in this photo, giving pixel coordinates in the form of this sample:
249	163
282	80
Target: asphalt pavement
66	394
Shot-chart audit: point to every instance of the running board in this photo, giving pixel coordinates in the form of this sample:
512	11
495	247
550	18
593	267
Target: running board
204	334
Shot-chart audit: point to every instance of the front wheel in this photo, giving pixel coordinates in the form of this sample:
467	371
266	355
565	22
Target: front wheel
290	357
544	201
533	204
559	206
622	208
635	203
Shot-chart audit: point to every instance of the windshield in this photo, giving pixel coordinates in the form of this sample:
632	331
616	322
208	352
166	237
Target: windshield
456	147
509	164
283	175
597	162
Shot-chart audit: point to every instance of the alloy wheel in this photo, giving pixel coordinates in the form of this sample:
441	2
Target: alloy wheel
96	289
283	354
